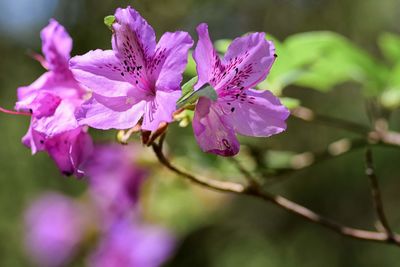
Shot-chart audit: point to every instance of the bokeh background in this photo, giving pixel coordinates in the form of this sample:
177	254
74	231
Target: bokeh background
214	229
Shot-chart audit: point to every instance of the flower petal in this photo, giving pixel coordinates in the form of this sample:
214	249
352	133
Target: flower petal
114	190
44	104
170	60
118	103
212	129
45	91
98	116
80	151
54	228
134	43
102	72
61	121
247	62
56	45
131	244
34	140
69	150
160	109
255	113
26	92
208	63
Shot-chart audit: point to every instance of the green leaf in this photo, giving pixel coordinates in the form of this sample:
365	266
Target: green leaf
393	81
109	20
206	91
322	60
390	98
390	46
187	88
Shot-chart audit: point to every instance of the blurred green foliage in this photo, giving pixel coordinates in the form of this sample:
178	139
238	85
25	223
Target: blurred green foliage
321	45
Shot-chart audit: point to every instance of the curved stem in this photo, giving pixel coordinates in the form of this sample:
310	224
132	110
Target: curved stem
222	186
286	204
376	193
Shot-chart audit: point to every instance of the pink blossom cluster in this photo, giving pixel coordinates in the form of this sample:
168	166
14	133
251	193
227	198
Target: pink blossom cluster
134	85
138	83
104	226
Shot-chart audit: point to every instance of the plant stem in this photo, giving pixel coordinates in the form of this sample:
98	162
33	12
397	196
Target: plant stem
376	193
255	190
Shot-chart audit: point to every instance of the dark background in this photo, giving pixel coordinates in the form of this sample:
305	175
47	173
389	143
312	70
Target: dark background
215	230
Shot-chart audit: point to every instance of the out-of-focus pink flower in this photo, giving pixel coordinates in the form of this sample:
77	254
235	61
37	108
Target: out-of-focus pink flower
114	179
139	78
54	228
52	100
132	245
238	108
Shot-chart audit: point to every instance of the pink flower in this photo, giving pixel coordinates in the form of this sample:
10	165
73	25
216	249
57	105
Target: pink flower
53	230
238	108
127	245
114	180
52	100
137	79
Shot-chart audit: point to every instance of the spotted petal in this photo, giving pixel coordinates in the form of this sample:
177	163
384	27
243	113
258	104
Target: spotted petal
212	129
101	71
134	44
208	63
255	113
170	59
247	62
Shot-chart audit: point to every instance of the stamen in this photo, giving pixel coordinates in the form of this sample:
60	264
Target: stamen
11	112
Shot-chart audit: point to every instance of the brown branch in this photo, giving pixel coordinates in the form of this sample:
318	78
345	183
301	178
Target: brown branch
222	186
314	217
376	194
308	115
332	151
279	201
247	174
374	136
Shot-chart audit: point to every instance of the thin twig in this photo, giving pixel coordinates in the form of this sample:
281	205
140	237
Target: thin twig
278	175
313	217
279	201
308	115
223	186
249	177
376	193
374	136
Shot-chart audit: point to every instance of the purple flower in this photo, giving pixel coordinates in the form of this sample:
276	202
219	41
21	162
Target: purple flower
52	100
127	245
114	180
238	108
137	79
53	230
